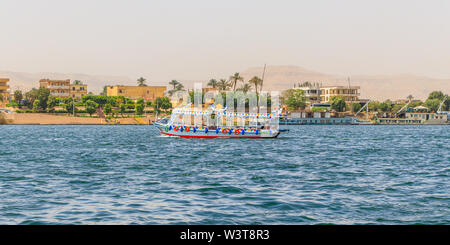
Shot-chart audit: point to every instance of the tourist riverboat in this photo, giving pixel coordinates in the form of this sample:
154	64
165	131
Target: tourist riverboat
189	122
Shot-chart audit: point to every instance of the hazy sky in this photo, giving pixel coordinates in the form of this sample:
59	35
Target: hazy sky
164	40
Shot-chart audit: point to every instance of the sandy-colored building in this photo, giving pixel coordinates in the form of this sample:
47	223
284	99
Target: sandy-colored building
136	92
4	90
312	93
58	88
350	93
77	91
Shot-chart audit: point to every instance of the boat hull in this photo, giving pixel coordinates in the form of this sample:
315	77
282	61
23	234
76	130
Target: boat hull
211	134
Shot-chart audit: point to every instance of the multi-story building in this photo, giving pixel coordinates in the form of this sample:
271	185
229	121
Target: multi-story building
58	88
4	90
312	93
136	92
350	93
78	90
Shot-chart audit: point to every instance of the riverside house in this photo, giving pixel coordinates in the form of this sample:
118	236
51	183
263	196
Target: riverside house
350	93
58	88
77	91
4	90
136	92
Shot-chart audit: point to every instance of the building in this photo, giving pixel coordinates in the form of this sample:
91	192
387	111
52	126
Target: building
312	93
4	89
136	92
350	93
58	88
77	91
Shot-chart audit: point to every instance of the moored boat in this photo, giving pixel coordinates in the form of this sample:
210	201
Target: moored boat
187	122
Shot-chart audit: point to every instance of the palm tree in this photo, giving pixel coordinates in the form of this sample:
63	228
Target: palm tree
234	79
179	87
212	83
256	81
245	88
141	81
174	83
223	85
410	97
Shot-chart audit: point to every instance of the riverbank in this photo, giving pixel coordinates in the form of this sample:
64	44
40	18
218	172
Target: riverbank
48	119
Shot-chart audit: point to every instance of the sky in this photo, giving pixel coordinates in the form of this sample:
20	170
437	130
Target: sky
164	40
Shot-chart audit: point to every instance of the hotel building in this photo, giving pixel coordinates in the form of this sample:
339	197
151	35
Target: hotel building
58	88
77	91
312	93
350	93
4	90
136	92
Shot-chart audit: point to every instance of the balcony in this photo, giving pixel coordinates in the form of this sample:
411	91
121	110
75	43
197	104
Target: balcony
4	87
58	87
60	94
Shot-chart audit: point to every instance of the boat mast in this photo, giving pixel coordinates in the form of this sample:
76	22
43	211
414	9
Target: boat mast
442	103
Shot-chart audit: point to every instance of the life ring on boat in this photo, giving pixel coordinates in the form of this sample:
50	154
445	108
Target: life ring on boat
237	131
176	128
187	129
224	131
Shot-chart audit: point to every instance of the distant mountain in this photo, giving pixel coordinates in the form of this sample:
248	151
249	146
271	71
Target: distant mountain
379	87
26	81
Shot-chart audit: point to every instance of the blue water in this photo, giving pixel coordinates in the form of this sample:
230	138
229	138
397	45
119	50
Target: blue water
312	175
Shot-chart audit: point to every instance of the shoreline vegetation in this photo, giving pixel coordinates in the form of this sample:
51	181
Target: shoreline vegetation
39	107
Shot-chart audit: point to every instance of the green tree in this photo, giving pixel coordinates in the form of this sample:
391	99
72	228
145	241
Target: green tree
223	85
108	109
42	96
374	105
69	105
165	103
18	96
141	81
140	101
122	108
397	107
36	104
384	107
30	96
77	82
139	109
51	103
174	83
440	96
235	79
433	104
356	107
436	95
91	107
296	99
245	88
338	103
415	104
212	83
